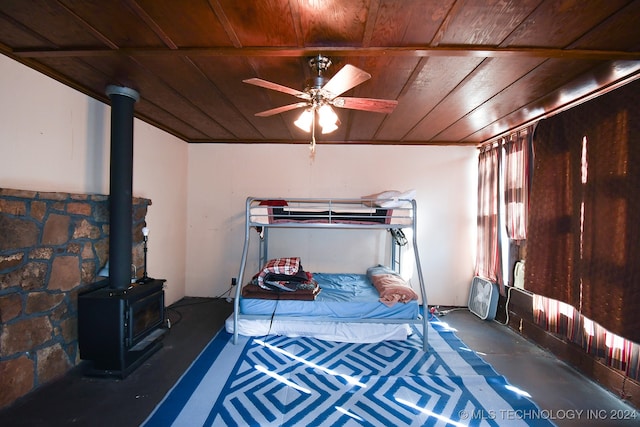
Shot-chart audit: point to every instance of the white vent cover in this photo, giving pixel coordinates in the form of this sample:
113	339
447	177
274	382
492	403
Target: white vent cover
483	298
518	275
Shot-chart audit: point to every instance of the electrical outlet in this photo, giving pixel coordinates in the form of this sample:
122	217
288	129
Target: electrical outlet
234	281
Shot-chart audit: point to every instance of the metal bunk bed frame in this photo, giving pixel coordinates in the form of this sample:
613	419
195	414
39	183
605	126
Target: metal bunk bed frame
331	223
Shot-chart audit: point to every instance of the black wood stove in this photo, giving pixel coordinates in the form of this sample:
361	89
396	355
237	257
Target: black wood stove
118	329
120	323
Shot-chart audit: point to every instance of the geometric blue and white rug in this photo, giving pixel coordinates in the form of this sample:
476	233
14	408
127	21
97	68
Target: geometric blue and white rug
280	381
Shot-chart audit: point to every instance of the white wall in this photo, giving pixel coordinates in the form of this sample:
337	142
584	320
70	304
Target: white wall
160	174
222	176
53	138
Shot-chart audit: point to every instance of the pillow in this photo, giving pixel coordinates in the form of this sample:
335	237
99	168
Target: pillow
391	287
389	199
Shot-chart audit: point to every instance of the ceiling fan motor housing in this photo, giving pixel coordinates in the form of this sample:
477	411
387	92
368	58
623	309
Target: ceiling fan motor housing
319	64
315	83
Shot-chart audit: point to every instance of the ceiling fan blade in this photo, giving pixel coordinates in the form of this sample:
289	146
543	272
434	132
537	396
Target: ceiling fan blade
275	86
366	104
282	109
345	79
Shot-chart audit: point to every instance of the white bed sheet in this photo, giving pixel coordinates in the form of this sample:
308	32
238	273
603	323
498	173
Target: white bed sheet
328	331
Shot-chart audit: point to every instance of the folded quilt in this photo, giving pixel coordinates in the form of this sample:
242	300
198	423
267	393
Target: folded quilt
278	272
308	292
284	282
390	285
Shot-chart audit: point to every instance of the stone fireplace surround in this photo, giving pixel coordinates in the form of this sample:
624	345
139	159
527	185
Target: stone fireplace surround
52	246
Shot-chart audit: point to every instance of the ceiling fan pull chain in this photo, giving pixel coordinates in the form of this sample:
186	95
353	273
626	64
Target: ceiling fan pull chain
312	147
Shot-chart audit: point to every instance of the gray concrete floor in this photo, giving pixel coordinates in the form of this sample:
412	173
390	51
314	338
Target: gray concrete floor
79	400
561	392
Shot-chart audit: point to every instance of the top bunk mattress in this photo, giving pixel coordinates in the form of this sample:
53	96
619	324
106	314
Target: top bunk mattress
343	296
334	211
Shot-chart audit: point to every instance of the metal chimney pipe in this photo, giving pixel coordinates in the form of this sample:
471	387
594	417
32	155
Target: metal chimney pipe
121	185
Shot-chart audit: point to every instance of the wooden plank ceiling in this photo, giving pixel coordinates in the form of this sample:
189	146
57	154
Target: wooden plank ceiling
461	71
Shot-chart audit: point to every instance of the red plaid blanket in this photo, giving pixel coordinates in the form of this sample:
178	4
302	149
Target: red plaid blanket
288	266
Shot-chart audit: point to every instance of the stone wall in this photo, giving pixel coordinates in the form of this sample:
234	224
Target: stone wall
52	246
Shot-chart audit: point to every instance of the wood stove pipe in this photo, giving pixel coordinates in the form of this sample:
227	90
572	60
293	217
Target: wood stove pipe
121	185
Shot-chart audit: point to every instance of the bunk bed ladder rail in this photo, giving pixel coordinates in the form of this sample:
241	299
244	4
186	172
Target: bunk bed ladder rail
243	264
423	293
396	252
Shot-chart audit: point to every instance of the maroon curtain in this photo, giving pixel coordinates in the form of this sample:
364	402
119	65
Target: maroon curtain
553	218
584	229
488	246
516	183
610	267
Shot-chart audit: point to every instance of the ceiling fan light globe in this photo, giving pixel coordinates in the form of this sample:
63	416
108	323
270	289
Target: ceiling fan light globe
304	121
327	117
329	128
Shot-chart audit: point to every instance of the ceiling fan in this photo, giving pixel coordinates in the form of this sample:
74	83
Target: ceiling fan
320	94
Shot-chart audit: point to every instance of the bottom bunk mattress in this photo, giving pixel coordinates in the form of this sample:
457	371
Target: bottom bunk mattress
335	313
342	296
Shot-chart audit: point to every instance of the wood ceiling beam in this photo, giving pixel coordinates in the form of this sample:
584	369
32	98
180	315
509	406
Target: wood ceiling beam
224	21
153	25
457	51
90	28
332	142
